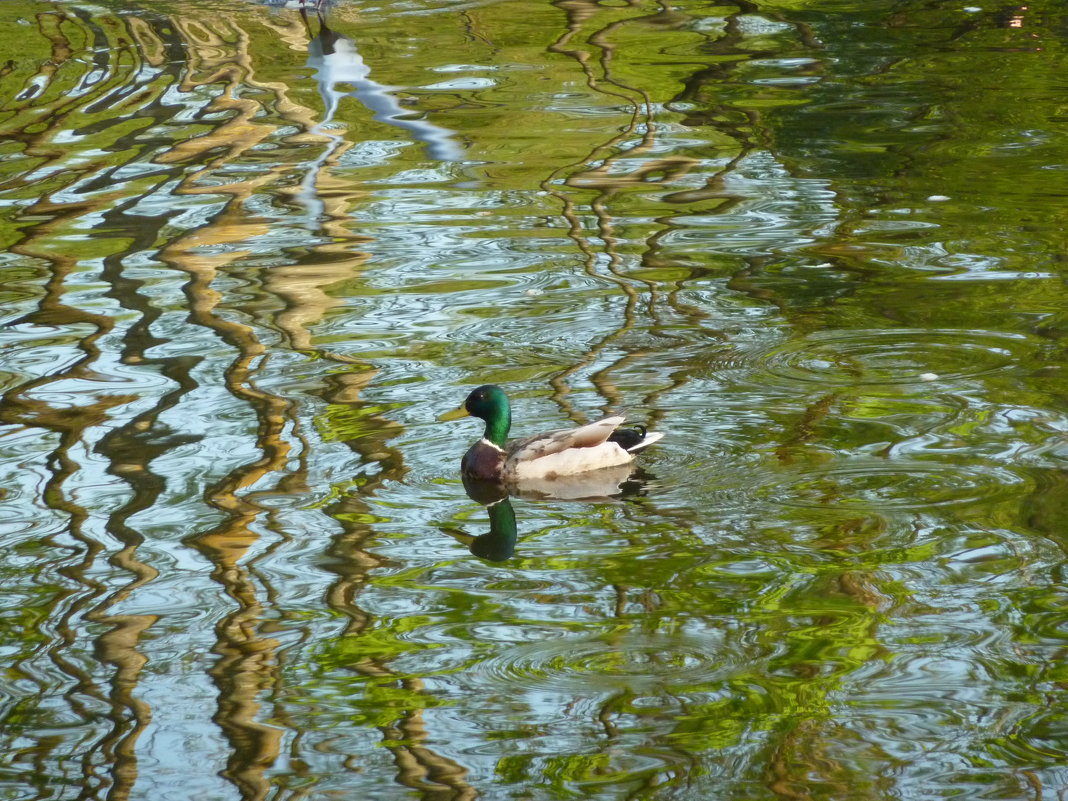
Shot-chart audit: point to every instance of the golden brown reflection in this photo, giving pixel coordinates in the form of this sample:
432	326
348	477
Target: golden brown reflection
249	665
220	62
153	160
238	112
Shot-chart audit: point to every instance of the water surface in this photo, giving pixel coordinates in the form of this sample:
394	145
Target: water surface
249	261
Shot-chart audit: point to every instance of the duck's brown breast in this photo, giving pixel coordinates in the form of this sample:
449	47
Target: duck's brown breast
483	461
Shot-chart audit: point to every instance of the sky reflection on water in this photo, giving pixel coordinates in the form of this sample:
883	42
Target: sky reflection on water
819	247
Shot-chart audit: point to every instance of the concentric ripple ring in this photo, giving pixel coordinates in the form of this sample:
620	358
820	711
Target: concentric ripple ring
609	663
895	485
893	356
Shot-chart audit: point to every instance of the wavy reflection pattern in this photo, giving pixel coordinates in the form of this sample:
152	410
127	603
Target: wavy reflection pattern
129	215
251	251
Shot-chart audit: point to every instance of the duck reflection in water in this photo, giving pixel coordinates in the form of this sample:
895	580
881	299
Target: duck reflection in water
609	485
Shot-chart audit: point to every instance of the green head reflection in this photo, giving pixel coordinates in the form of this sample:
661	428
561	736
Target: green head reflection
498	543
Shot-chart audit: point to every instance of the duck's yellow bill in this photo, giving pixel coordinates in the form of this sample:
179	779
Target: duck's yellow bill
455	414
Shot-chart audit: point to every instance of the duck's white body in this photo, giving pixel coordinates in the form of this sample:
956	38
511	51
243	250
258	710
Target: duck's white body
567	452
570	451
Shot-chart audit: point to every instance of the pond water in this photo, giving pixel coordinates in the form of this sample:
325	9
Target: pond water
251	257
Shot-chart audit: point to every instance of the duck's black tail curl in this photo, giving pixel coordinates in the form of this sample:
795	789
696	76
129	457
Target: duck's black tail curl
629	438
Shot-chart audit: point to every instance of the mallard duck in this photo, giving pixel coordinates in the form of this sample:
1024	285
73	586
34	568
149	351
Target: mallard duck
544	456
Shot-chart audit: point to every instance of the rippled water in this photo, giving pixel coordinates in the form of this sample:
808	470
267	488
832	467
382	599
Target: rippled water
249	261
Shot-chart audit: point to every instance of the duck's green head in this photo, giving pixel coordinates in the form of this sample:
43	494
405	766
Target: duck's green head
489	403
